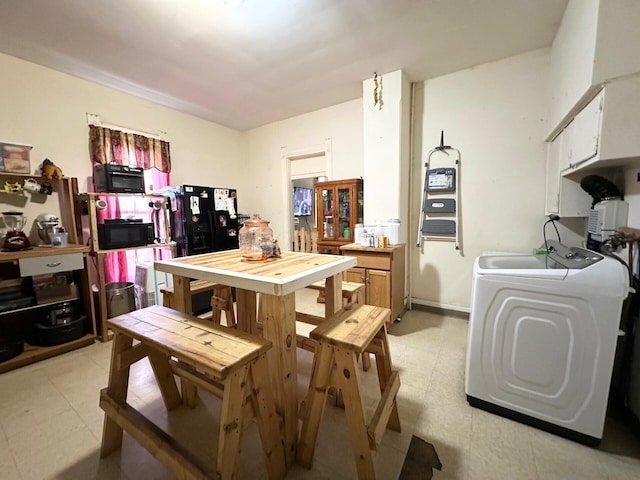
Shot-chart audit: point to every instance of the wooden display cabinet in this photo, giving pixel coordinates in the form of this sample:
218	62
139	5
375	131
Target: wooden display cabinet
382	271
339	206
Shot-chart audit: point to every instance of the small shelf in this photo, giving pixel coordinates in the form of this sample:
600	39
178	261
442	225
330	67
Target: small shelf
153	245
34	354
43	252
106	194
41	305
23	175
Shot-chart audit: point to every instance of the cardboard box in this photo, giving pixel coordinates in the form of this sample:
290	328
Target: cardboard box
54	287
15	158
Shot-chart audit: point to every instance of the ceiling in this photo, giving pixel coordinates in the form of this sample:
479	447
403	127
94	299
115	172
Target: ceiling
267	60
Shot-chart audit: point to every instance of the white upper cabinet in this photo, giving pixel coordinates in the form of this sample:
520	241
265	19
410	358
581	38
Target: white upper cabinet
596	42
564	196
606	132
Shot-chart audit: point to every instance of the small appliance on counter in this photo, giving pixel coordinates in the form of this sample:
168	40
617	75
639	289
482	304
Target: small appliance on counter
48	224
114	178
15	239
124	233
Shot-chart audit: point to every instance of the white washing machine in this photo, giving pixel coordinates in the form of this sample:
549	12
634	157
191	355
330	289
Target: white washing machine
542	338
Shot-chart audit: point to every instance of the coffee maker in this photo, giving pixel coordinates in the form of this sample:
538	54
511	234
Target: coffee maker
15	239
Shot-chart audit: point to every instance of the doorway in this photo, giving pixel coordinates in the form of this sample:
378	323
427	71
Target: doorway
302	167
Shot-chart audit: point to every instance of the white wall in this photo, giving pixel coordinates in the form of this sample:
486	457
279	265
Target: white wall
341	123
386	158
47	109
495	115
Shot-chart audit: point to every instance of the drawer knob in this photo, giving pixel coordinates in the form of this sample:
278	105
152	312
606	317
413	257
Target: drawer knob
54	264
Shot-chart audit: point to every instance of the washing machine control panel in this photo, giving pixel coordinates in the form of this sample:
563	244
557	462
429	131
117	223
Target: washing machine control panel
573	257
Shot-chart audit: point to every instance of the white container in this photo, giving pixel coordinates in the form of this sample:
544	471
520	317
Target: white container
358	231
59	239
393	227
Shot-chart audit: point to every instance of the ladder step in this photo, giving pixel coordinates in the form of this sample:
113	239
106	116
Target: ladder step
439	227
439	205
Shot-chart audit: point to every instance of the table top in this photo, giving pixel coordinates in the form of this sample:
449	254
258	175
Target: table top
275	276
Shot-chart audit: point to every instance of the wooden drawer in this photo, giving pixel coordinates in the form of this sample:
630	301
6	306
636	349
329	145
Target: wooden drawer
378	261
50	264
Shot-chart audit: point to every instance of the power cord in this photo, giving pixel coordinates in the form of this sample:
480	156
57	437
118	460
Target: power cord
552	219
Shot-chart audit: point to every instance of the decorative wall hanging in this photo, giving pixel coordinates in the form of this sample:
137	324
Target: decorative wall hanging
377	91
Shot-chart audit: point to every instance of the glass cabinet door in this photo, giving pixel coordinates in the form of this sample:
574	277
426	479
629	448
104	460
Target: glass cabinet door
344	213
327	213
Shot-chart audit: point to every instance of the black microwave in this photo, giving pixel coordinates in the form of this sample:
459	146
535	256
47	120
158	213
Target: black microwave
122	234
114	178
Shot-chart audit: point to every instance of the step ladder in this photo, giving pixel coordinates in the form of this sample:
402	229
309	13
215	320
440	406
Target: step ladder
440	206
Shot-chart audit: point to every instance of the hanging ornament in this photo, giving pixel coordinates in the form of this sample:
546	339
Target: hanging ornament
377	91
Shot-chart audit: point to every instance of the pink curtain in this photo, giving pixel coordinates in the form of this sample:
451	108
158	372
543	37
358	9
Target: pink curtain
114	146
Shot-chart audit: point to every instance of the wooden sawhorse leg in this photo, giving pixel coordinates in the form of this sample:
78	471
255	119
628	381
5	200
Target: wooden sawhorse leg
117	389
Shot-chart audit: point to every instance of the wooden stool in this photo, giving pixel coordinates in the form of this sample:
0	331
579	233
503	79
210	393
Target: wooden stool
221	299
335	363
352	292
226	362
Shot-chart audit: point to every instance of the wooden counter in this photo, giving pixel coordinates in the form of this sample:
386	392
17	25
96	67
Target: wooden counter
382	271
42	252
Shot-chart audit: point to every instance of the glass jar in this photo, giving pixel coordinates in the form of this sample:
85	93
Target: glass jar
256	239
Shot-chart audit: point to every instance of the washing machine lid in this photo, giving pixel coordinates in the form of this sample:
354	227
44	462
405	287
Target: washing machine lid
559	257
534	266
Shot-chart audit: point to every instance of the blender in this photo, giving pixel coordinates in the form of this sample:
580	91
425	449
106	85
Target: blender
15	238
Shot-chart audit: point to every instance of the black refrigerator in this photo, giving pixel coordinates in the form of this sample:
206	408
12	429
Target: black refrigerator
205	219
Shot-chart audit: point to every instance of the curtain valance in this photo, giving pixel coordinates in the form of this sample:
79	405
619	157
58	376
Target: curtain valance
114	146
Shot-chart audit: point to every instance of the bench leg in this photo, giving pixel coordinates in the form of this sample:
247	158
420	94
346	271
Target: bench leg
269	423
189	392
231	423
366	361
346	376
166	381
383	364
314	403
117	389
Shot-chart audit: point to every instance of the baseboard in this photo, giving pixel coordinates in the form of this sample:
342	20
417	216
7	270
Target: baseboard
448	310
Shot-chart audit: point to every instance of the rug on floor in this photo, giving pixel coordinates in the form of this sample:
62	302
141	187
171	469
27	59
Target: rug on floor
420	461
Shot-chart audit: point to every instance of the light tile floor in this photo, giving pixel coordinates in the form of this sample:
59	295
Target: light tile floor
51	424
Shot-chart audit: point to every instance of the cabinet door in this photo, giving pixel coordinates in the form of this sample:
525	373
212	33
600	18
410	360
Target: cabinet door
357	275
585	132
378	288
326	214
554	151
345	206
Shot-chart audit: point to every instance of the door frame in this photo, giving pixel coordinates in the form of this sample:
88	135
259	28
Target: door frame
289	155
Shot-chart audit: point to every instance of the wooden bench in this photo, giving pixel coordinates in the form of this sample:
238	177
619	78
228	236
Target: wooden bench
221	299
352	292
227	362
341	340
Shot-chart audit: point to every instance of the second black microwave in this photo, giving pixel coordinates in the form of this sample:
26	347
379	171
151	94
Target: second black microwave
114	178
122	234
